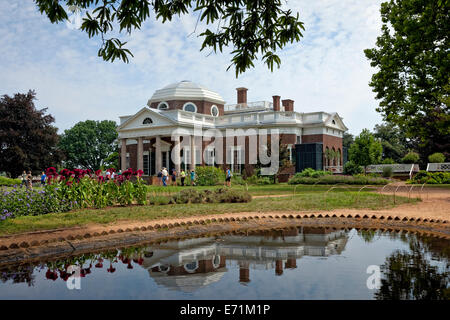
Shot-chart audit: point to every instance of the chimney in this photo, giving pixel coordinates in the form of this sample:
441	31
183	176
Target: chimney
276	103
242	95
288	104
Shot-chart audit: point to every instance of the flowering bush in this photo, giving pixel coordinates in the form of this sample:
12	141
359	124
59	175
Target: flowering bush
74	189
23	202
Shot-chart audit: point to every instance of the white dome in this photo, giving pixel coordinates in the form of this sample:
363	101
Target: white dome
185	90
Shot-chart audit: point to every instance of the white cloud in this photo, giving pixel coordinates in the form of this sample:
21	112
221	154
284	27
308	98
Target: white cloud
326	71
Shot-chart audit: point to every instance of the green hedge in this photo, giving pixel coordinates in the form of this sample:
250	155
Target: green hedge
311	173
209	176
431	177
330	179
8	182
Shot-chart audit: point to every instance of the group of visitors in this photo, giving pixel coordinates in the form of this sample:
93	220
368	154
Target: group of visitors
27	179
166	179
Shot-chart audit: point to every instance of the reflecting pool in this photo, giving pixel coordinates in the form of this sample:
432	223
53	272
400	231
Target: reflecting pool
296	263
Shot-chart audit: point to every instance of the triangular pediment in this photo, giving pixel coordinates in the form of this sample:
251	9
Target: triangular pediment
137	121
335	121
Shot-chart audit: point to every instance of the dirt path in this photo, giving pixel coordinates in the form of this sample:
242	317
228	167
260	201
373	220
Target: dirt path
435	205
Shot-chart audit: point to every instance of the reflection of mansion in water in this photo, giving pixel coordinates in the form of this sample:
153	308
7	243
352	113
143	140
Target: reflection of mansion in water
188	265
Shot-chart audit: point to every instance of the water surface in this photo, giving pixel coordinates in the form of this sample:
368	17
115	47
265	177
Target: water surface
297	263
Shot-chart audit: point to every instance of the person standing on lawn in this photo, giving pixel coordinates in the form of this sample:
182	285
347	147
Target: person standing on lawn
160	177
165	175
43	176
24	179
29	180
228	176
174	177
183	176
192	177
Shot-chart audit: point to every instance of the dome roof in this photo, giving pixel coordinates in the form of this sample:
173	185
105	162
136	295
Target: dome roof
185	90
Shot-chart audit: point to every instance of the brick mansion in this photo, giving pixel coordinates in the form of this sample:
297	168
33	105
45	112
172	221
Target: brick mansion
148	142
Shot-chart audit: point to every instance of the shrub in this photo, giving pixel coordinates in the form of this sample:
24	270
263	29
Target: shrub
436	158
259	180
351	168
233	196
211	196
188	196
237	179
209	176
431	177
329	179
388	161
387	172
309	172
160	200
8	182
411	157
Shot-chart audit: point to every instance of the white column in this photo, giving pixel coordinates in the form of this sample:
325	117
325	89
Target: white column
158	162
140	154
177	157
123	155
192	151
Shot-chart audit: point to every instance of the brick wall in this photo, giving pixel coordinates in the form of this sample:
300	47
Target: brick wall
203	107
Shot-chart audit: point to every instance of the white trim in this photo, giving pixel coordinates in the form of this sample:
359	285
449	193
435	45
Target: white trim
214	107
163	103
184	107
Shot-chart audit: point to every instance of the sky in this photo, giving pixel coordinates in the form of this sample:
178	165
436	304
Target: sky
325	71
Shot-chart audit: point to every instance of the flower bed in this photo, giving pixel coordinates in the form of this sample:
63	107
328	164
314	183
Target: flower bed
74	189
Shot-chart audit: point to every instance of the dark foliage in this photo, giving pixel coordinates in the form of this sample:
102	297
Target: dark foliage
28	138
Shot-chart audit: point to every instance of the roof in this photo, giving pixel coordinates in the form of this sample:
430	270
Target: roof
185	90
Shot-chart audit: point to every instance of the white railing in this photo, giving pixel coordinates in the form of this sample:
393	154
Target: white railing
396	167
249	105
443	166
334	169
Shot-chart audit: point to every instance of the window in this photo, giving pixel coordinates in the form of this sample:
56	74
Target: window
191	267
147	121
190	107
333	122
165	268
214	110
163	106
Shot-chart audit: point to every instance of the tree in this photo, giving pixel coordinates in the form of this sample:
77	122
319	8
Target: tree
366	150
393	140
436	158
249	27
89	144
347	140
28	140
412	78
411	157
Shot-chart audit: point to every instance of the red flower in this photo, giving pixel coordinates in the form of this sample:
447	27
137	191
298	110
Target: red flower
111	269
50	171
98	172
139	173
51	275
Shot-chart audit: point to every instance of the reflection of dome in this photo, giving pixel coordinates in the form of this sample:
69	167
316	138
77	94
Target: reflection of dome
187	283
185	90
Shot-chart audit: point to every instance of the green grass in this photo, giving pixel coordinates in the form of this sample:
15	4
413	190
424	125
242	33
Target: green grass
303	201
259	190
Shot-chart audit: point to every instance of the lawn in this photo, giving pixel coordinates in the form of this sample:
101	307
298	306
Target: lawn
260	190
304	200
